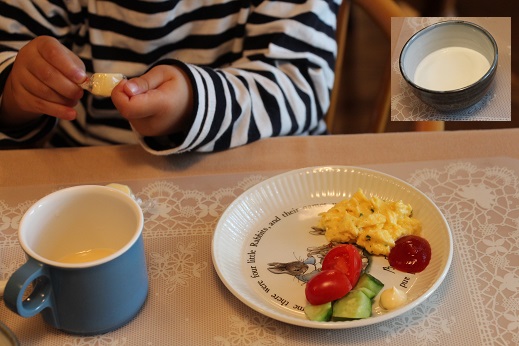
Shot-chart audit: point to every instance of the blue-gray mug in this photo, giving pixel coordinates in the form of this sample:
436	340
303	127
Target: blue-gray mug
86	268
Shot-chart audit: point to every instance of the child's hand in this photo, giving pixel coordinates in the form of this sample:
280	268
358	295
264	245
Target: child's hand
44	80
157	103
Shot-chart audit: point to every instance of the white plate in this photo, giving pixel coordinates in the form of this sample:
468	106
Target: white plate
271	222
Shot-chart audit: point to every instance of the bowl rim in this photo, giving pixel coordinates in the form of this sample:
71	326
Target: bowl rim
433	26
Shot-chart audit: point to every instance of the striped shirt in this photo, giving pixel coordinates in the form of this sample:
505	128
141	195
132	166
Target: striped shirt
259	68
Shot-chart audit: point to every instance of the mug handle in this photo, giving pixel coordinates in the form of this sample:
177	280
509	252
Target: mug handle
41	295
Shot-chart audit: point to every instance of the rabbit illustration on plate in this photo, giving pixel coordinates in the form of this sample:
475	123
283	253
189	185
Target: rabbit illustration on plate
297	269
300	269
315	255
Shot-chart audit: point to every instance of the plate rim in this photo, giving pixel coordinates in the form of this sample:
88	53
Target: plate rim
336	324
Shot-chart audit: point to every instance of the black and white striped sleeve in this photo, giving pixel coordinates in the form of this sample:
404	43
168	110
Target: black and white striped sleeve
278	85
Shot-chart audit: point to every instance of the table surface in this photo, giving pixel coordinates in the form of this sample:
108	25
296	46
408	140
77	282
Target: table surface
473	177
83	165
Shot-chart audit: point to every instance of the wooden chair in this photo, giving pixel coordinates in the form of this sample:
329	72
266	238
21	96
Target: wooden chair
380	12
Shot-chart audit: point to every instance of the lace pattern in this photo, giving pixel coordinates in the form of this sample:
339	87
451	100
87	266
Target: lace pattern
478	303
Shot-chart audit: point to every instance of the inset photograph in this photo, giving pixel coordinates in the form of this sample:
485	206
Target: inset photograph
451	69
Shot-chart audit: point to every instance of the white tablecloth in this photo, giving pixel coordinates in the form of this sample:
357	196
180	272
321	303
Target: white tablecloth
477	304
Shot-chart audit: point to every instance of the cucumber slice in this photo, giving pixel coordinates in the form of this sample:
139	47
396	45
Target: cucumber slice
370	285
354	305
321	313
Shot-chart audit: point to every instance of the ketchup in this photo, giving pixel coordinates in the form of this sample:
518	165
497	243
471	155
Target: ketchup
411	254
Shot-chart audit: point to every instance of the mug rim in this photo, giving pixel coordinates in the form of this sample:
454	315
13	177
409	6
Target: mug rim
433	26
8	334
80	265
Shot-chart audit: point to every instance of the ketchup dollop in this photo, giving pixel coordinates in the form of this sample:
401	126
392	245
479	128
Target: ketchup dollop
411	254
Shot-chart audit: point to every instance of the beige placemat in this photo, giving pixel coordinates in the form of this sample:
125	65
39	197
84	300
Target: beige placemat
189	305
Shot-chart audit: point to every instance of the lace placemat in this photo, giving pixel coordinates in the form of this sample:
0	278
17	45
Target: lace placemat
477	304
495	105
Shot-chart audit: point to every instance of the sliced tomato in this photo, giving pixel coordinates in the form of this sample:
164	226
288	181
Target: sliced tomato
327	286
345	258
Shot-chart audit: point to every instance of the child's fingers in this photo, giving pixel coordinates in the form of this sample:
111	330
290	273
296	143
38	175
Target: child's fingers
151	80
62	59
44	64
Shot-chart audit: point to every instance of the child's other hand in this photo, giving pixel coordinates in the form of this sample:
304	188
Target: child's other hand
157	103
44	80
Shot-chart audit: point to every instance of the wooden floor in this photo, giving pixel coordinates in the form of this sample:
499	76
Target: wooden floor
364	66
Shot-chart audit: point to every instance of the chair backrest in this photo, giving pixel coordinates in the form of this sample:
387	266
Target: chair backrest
380	13
341	35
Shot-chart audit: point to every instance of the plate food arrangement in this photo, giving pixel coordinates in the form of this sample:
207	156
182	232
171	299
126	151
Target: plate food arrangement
271	242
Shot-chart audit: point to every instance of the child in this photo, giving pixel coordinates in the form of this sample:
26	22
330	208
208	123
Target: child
202	75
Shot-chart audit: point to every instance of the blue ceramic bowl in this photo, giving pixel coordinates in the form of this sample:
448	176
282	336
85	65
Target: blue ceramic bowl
450	65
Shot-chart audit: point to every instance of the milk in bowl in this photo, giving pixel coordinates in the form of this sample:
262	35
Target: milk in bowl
451	68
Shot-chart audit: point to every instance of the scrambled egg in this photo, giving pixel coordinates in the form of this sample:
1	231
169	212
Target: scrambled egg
373	224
